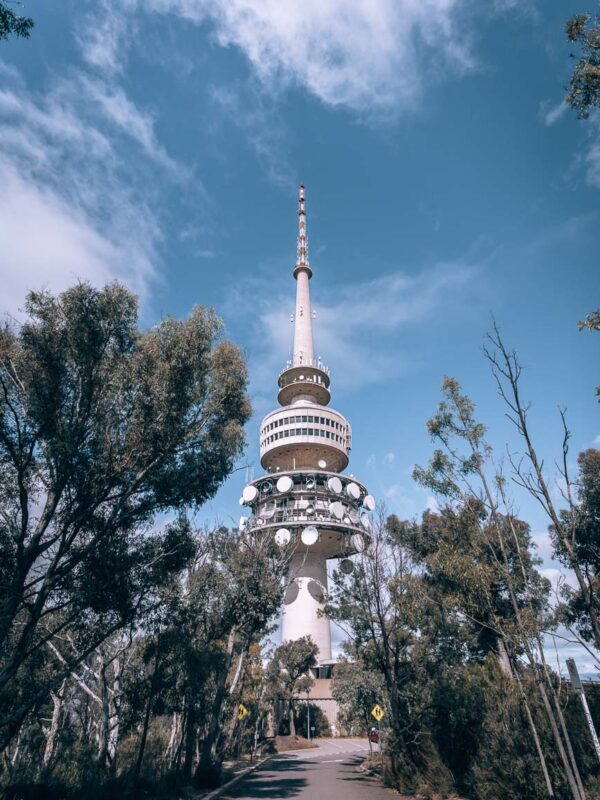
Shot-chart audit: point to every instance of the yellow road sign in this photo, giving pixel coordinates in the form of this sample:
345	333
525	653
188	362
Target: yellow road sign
242	712
378	712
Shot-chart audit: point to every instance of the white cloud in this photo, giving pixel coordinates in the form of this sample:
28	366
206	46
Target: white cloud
368	55
596	441
389	458
592	157
553	114
348	325
69	206
372	56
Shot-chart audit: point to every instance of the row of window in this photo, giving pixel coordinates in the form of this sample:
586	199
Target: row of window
306	418
303	432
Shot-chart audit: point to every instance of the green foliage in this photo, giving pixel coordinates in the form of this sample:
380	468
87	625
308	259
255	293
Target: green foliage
357	690
102	427
12	24
582	521
592	323
584	87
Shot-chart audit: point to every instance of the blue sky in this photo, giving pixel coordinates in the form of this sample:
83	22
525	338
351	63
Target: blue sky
162	142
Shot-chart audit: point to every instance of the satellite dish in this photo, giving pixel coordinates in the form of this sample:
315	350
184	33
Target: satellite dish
358	543
259	520
283	537
241	501
346	566
338	510
353	491
347	519
310	510
369	502
267	487
322	463
309	535
249	494
354	516
284	484
268	510
311	482
335	485
365	521
243	523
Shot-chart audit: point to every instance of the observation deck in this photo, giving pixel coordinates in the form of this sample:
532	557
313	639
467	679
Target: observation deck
302	435
309	381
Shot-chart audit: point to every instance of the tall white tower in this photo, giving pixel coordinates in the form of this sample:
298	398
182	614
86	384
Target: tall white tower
304	498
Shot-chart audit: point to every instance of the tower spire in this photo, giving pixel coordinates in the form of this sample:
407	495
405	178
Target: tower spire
302	255
303	334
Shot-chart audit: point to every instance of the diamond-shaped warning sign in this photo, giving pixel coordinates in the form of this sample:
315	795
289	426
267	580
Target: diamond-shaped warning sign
378	712
242	712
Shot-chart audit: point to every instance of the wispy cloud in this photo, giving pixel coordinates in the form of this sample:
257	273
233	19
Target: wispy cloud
367	55
70	207
371	56
258	118
355	324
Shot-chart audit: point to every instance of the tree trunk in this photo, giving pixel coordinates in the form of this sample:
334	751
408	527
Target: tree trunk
208	758
190	736
57	703
292	719
145	726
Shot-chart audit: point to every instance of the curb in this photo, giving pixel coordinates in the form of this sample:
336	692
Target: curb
230	784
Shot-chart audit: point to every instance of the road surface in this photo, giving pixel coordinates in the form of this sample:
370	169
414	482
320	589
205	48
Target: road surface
327	773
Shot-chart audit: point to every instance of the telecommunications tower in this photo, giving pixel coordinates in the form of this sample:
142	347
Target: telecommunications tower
304	498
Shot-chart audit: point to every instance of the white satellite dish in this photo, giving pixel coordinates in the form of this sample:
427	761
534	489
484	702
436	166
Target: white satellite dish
354	517
249	494
243	523
309	535
365	521
311	482
338	510
310	510
267	487
346	566
335	485
369	502
322	463
284	484
268	510
353	491
241	501
283	537
358	543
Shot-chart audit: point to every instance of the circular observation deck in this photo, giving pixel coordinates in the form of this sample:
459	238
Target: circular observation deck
326	501
302	435
304	382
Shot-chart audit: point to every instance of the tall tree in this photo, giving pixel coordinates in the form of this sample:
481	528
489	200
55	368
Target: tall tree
291	661
12	24
584	87
102	427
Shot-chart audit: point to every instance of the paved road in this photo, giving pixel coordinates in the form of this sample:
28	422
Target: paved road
327	773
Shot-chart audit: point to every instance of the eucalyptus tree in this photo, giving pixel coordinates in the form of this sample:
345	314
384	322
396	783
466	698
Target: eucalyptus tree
13	24
102	428
462	470
584	87
290	664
